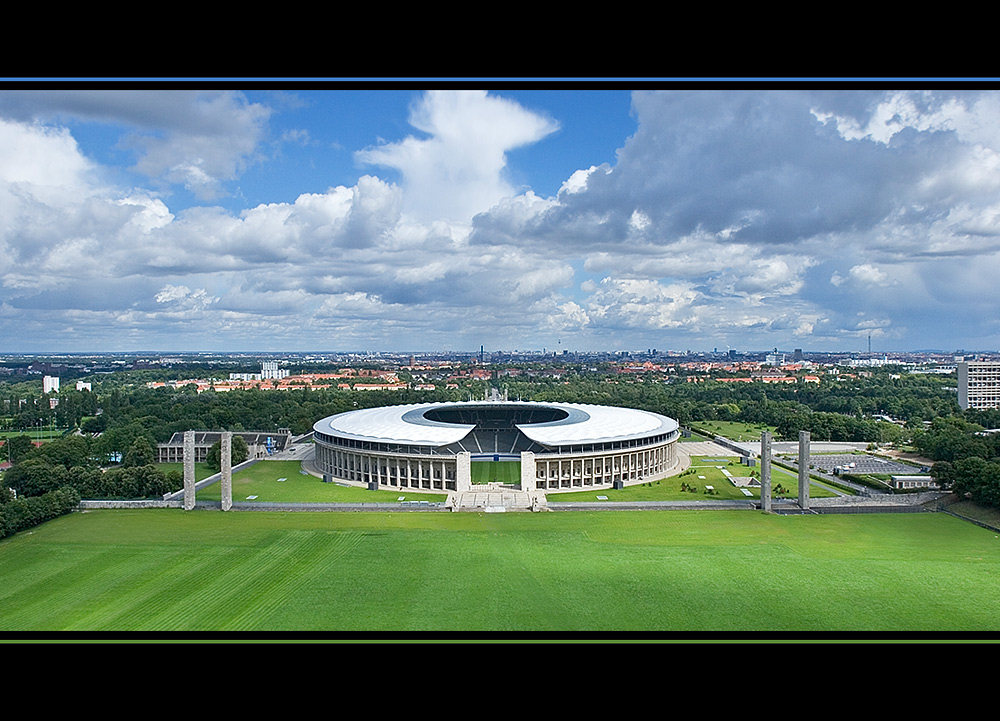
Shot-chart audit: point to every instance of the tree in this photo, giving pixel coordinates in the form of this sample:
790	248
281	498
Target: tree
67	451
239	452
34	476
943	473
140	453
18	446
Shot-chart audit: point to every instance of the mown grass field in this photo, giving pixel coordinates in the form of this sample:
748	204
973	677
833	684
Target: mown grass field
706	472
282	482
496	472
36	435
694	571
735	430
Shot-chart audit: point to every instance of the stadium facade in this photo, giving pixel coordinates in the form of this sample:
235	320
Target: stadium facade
431	446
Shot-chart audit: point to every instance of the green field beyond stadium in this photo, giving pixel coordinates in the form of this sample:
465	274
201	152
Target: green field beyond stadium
496	472
695	571
284	482
705	479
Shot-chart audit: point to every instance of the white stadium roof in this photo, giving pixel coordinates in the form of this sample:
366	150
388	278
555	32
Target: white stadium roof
583	424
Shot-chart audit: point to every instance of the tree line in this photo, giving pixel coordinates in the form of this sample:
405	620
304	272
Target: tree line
966	454
121	422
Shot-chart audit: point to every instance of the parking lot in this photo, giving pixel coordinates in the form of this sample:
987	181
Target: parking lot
862	464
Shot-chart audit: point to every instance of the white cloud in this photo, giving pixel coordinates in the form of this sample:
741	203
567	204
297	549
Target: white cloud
195	138
863	275
577	182
748	218
42	158
459	170
868	274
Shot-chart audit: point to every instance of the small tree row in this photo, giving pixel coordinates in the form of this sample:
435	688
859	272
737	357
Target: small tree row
23	513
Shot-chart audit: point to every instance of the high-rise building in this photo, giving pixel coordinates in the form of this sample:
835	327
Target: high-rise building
50	384
269	371
978	384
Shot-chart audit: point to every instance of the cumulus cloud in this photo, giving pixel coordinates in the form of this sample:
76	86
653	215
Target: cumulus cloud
182	295
458	170
193	138
864	274
745	218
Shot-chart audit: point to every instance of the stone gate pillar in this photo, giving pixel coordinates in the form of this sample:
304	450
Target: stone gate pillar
226	457
463	472
527	471
188	470
804	469
765	471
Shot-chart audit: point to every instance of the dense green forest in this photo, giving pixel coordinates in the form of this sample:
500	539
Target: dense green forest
831	410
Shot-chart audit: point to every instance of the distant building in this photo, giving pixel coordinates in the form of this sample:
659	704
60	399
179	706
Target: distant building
269	371
978	384
260	444
83	386
904	482
50	384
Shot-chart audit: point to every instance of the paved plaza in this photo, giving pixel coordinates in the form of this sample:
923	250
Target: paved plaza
706	448
862	464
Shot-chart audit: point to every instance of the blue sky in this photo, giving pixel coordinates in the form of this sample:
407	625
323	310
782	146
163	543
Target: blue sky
311	218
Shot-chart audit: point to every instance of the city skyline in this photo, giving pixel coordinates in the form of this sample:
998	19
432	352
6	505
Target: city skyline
581	218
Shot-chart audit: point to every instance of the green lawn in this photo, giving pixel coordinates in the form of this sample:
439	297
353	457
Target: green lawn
670	489
263	481
695	571
695	437
496	472
734	430
45	434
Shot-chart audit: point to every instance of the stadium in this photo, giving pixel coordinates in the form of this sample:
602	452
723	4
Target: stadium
432	446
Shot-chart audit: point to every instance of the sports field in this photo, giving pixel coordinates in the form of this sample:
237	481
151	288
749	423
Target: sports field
700	571
496	472
735	430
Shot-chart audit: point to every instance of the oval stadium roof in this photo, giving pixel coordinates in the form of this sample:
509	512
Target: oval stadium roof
583	423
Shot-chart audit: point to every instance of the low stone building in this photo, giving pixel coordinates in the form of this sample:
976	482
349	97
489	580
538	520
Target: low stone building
260	444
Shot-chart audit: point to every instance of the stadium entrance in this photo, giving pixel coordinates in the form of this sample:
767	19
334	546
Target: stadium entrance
497	470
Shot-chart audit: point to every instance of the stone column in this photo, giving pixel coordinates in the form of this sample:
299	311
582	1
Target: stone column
804	469
226	455
463	472
527	471
188	470
765	471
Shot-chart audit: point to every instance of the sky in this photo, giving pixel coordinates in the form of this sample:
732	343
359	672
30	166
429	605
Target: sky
576	217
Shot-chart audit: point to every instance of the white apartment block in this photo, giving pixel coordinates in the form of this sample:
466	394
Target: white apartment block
50	384
978	384
269	370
